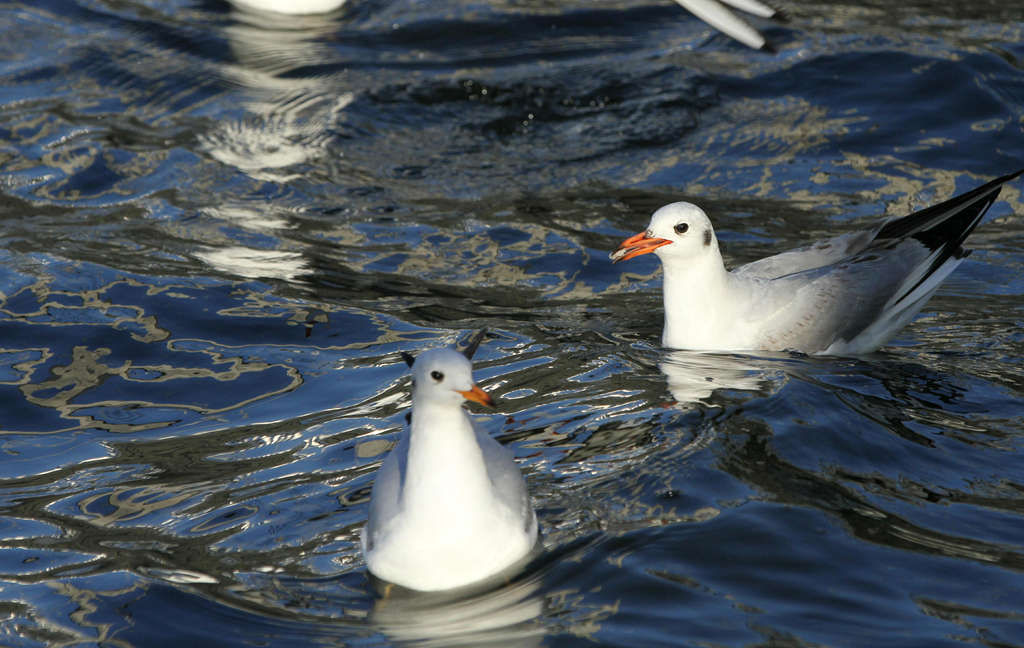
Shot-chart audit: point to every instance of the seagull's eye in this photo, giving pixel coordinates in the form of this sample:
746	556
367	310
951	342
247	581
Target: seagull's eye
681	228
437	375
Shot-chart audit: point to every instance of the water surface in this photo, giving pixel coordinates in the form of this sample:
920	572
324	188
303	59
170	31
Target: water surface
219	230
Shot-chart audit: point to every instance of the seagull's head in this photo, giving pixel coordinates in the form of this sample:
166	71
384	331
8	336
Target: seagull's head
677	231
445	376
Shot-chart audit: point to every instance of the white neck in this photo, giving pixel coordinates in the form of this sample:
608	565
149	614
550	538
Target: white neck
696	293
445	472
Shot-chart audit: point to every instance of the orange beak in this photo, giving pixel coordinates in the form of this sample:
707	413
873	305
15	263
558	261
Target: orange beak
478	395
636	245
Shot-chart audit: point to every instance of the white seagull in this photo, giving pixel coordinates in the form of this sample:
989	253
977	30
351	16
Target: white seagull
710	11
842	296
291	7
449	506
718	16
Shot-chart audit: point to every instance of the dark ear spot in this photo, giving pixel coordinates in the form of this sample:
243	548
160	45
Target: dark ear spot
707	237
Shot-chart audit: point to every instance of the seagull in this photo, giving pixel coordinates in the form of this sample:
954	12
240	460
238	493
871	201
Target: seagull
841	296
291	7
710	11
449	506
718	16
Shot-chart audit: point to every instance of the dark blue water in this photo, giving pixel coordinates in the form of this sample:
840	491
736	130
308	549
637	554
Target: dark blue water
219	230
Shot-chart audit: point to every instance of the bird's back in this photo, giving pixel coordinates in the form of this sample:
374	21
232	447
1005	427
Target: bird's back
851	293
821	254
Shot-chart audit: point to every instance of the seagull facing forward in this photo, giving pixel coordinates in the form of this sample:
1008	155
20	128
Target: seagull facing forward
449	506
842	296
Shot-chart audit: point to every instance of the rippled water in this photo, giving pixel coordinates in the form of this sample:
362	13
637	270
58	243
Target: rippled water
219	230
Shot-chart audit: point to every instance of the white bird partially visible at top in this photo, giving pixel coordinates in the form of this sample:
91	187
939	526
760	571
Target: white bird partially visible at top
715	14
845	295
449	506
291	7
710	11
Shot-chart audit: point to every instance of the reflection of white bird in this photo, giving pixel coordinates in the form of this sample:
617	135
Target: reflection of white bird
713	13
502	617
287	117
843	295
254	263
449	506
692	376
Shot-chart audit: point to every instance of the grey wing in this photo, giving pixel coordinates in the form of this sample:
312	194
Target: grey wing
820	254
386	492
507	479
839	302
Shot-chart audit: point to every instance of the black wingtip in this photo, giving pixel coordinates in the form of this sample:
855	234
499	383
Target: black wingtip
1011	176
948	220
408	357
768	48
780	16
1001	180
944	227
473	343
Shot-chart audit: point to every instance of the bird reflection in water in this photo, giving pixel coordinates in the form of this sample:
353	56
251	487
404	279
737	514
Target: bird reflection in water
287	114
492	613
694	375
